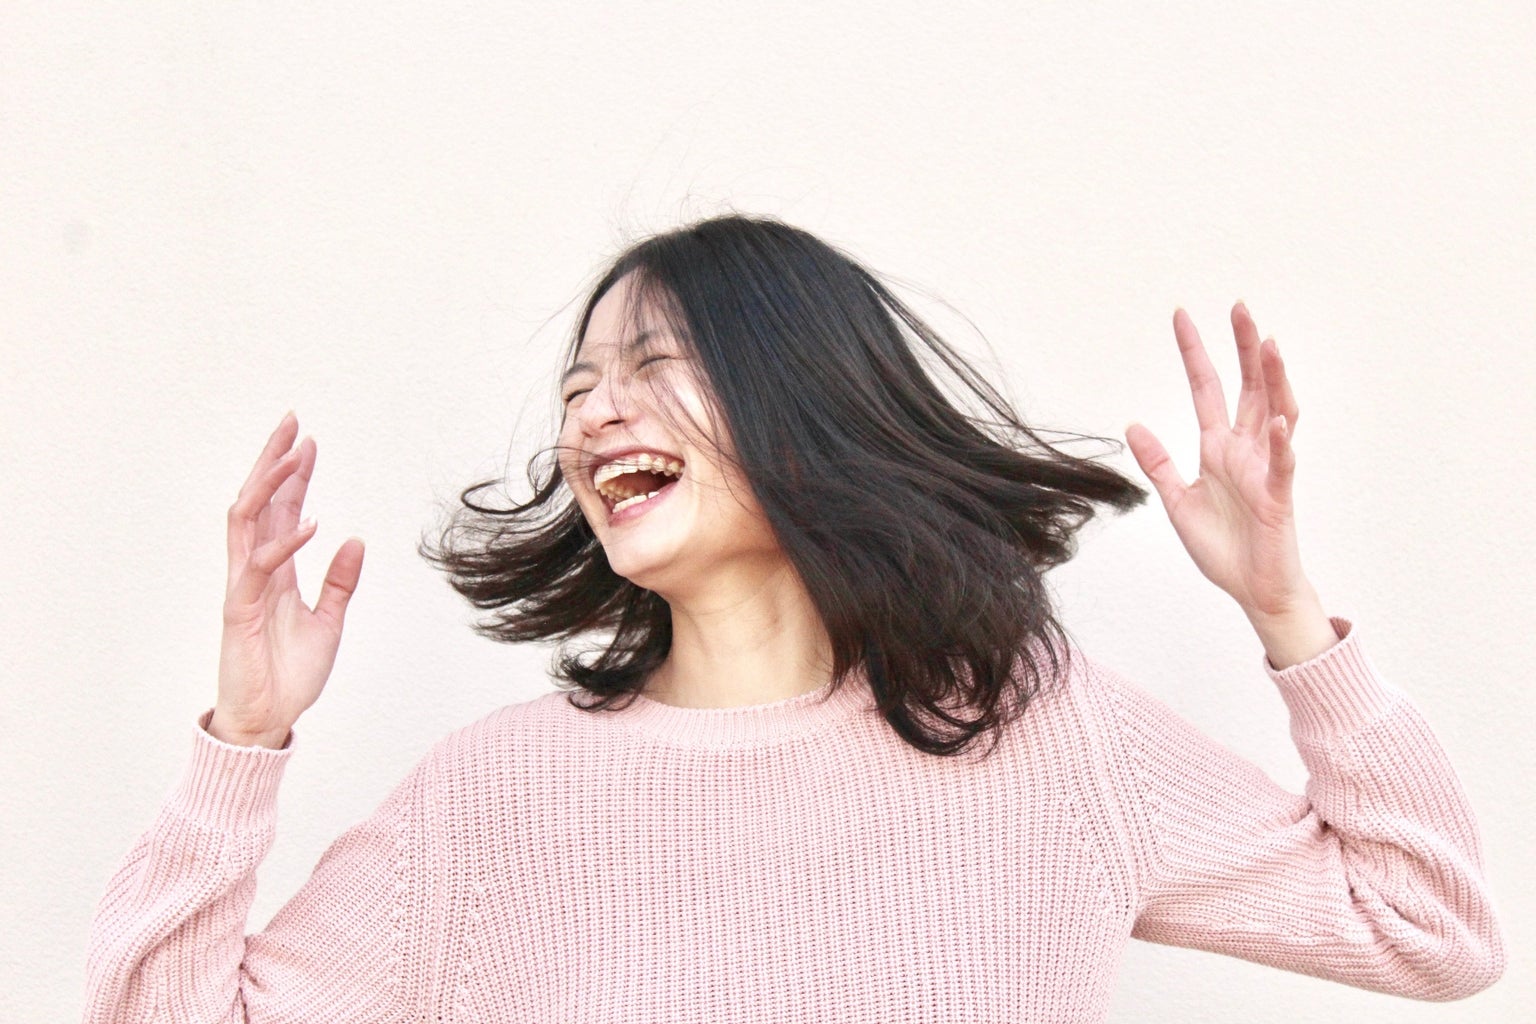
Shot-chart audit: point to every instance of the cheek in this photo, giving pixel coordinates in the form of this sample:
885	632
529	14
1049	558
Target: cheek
732	502
567	448
689	414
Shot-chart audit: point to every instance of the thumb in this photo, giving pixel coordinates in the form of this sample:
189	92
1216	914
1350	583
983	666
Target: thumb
340	583
1154	461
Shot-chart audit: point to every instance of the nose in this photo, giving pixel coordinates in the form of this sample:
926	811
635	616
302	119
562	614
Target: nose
606	405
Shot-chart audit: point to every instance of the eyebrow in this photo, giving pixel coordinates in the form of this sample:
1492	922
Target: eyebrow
640	341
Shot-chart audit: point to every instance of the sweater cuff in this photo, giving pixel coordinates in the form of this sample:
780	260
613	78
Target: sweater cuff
230	788
1335	694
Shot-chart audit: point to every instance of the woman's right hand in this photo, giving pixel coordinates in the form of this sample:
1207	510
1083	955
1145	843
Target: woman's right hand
276	653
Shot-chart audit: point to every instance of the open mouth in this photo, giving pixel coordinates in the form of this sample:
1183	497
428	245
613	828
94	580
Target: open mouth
630	480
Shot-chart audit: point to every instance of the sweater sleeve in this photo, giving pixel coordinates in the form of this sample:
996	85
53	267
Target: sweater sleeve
168	939
1373	877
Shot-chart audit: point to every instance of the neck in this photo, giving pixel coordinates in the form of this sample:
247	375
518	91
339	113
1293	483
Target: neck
741	642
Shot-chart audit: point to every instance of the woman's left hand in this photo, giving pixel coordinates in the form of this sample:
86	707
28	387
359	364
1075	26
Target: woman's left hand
1237	520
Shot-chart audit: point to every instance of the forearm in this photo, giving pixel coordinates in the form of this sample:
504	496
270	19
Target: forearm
169	931
1373	878
1406	835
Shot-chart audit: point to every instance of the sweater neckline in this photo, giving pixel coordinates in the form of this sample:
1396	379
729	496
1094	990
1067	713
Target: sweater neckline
749	725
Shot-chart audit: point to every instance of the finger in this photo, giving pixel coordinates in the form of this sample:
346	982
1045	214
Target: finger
247	525
289	497
1253	400
1282	462
282	513
279	442
1154	461
340	583
1204	385
1282	402
265	561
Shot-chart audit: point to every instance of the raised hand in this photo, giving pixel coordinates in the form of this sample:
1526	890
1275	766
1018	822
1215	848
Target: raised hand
276	652
1237	520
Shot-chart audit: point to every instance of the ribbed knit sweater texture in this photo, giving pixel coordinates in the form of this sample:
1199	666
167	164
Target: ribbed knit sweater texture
797	861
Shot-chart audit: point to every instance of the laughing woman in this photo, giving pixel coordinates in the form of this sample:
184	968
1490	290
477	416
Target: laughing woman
821	749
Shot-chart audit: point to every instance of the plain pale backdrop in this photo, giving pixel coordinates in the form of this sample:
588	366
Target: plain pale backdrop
380	215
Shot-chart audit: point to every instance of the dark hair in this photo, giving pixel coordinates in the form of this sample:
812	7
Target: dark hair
920	530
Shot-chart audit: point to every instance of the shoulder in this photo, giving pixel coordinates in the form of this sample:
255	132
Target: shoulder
503	754
1070	726
1077	687
1103	706
1096	718
536	725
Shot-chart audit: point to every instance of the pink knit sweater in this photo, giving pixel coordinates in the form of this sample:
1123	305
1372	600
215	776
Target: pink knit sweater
797	861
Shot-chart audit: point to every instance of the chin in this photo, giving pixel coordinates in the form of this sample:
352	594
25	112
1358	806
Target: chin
647	574
648	566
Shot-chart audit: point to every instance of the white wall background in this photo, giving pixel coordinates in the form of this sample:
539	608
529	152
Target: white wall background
377	215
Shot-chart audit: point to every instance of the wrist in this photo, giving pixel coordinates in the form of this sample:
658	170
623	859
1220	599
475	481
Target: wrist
219	728
1299	631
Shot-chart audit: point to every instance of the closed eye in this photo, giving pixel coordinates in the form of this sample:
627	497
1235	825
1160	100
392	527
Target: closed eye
647	361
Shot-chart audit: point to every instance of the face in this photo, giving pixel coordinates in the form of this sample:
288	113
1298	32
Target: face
650	474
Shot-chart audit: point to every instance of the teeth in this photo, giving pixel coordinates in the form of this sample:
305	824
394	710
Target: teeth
637	499
607	478
641	463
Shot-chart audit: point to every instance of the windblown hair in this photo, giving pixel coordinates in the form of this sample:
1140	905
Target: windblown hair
921	531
